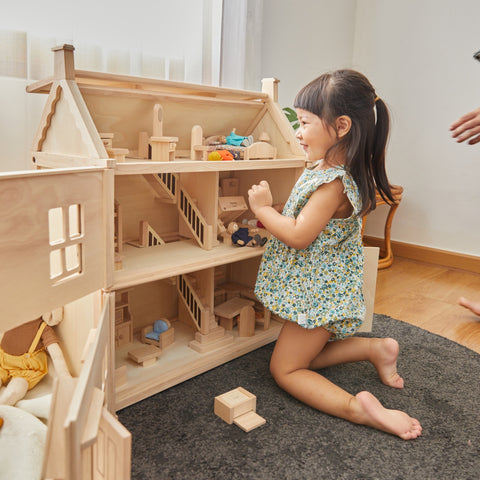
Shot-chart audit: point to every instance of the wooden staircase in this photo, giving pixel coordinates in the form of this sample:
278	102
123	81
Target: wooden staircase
209	335
168	188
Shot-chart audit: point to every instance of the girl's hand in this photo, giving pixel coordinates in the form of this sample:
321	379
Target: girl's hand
259	196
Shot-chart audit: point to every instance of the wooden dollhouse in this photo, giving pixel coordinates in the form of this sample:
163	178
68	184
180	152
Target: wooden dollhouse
125	222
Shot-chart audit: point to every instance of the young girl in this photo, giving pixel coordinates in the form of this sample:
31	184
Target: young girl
312	270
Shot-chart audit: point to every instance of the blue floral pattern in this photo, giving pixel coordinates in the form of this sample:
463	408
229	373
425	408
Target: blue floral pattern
320	285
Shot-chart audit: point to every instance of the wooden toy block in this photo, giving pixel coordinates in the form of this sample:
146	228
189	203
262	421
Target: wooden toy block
234	403
248	421
145	355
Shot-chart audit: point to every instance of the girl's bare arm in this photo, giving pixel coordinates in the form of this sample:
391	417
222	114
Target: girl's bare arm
298	232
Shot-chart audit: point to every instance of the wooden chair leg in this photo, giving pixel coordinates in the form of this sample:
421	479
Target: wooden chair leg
387	259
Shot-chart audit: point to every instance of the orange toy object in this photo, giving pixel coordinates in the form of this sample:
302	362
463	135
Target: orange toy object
220	155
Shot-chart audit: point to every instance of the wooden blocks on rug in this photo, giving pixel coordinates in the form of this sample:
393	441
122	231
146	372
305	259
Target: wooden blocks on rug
238	406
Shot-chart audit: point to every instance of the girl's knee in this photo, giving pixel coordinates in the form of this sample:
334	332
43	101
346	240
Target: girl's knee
276	371
280	372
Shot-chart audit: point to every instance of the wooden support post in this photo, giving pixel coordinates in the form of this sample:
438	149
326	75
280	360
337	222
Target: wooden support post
142	145
63	62
270	87
196	140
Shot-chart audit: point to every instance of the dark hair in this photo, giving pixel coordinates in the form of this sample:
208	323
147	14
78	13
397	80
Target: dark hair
347	92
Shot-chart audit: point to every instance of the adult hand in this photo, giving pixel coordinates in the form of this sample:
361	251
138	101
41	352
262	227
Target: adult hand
467	127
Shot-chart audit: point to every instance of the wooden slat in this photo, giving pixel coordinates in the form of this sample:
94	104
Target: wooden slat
84	77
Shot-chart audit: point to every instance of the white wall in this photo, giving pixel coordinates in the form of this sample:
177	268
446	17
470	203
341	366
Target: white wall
418	54
176	40
302	39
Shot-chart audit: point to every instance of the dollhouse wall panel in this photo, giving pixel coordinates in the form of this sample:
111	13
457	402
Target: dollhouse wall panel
152	301
71	140
52	241
140	202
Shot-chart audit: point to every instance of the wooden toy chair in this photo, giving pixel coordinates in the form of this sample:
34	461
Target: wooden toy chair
160	334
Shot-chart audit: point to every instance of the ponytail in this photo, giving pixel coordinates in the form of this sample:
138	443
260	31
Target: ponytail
382	127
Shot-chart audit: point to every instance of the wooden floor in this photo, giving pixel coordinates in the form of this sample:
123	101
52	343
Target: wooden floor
426	295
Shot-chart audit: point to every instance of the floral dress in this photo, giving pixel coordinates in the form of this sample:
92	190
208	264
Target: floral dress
320	285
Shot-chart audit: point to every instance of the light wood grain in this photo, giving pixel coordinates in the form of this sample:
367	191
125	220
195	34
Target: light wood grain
425	295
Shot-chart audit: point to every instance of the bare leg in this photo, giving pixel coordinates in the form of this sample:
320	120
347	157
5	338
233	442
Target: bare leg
474	307
294	352
381	352
14	391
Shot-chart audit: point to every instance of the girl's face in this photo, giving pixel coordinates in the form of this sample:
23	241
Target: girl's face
314	135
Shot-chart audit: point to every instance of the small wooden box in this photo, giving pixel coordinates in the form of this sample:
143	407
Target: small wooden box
230	208
234	403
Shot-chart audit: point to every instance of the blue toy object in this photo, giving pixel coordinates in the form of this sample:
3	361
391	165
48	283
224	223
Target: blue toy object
159	327
238	140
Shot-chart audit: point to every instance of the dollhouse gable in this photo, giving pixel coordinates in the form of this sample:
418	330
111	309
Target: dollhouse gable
90	117
66	129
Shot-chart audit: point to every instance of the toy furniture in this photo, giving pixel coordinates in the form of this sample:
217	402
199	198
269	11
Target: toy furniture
146	355
229	310
238	406
70	234
161	334
123	318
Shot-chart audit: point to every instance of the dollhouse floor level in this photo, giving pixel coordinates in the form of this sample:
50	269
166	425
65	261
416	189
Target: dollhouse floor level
179	362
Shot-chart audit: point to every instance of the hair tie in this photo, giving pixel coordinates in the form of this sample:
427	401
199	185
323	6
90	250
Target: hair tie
376	98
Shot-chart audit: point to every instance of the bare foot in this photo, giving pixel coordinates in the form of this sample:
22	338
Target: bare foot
474	307
384	358
396	422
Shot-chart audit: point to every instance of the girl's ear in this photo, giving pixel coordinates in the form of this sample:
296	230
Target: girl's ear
343	125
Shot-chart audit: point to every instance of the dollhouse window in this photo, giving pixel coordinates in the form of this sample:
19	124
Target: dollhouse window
65	238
